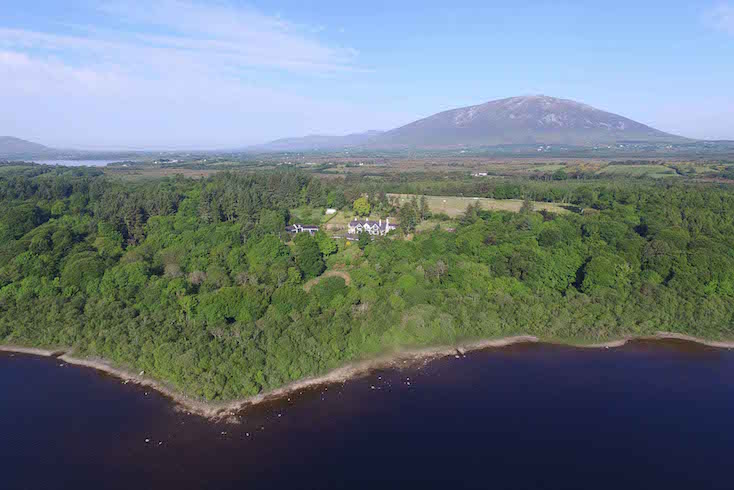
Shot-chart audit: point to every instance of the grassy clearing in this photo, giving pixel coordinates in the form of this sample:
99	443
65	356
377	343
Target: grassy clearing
348	256
344	275
430	224
455	206
652	171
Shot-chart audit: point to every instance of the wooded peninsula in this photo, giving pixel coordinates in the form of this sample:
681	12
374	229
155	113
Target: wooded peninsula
201	285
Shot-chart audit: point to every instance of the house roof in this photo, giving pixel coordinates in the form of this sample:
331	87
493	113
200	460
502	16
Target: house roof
370	223
303	227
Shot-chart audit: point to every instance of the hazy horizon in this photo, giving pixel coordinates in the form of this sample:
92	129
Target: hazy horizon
187	75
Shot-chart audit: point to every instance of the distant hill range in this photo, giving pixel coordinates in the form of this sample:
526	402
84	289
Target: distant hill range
528	120
11	147
317	142
516	121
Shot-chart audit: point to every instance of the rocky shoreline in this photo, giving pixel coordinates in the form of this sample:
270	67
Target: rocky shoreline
225	410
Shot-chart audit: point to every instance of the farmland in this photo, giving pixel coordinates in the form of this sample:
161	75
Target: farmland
637	171
453	206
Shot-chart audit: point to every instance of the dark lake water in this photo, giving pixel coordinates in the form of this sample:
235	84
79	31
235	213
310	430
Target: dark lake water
649	415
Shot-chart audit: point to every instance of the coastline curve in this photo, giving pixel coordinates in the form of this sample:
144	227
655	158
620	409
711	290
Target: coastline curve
224	410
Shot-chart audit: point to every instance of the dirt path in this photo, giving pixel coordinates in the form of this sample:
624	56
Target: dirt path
315	281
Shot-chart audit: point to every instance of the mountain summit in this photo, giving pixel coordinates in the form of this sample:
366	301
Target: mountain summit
536	119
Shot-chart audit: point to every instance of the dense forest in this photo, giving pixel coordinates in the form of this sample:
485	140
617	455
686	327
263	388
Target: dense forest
197	283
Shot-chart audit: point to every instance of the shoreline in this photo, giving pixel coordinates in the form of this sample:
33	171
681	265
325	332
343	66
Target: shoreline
225	410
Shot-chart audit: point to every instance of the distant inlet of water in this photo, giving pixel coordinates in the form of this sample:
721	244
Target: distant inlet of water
646	415
78	163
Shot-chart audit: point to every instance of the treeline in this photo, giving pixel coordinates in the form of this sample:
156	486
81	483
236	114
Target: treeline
196	283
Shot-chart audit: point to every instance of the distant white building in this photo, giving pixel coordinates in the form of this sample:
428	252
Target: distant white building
480	174
375	228
331	211
299	228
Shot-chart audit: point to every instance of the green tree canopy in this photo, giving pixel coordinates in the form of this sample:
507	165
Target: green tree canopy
308	255
361	206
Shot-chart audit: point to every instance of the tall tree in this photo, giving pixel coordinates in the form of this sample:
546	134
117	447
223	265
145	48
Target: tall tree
308	255
361	206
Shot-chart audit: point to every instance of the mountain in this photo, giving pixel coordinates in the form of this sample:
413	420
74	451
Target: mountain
317	142
15	147
520	121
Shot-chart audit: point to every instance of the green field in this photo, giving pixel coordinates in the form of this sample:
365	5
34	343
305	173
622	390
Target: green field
455	206
652	171
549	167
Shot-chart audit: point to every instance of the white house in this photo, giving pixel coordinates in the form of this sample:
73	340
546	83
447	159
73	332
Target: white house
330	211
374	228
299	228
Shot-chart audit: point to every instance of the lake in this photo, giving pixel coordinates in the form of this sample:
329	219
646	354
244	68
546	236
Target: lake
648	415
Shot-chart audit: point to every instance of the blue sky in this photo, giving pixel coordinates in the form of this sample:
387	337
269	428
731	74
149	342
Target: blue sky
193	74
